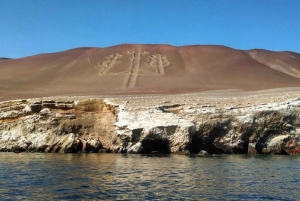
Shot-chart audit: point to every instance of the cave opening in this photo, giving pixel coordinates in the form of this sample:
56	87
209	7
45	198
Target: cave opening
155	146
216	133
245	147
196	145
260	146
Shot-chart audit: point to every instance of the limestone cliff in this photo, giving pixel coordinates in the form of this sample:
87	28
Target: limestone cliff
175	123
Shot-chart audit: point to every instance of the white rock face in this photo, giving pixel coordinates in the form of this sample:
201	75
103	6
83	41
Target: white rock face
187	123
155	124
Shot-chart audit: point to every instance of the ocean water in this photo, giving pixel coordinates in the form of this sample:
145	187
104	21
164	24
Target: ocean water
41	176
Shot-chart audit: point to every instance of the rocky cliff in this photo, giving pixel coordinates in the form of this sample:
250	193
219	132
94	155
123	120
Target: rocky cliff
256	124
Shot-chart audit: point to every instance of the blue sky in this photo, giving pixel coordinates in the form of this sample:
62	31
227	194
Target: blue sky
29	27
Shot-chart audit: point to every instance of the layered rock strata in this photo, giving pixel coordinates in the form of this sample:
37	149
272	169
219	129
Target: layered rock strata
192	123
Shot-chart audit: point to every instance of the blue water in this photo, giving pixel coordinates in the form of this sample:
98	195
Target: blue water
40	176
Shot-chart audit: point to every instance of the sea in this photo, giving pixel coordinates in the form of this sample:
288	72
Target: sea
52	176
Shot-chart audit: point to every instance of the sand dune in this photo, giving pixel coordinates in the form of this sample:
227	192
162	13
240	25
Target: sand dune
141	69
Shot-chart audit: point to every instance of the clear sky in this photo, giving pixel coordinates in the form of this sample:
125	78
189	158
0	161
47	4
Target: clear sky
29	27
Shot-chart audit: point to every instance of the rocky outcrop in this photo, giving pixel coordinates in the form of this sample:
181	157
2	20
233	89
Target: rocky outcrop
151	125
57	126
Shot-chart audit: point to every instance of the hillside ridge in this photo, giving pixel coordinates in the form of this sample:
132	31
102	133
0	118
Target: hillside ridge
144	69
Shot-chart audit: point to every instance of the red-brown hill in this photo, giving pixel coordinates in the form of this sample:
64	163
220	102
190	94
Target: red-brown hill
142	69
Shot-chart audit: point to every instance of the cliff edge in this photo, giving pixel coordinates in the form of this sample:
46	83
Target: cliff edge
256	123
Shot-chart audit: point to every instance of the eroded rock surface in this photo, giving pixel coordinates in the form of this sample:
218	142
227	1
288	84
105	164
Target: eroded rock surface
57	126
192	123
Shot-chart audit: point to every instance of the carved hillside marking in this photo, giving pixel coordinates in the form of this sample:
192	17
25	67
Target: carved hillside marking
159	62
111	61
135	65
90	63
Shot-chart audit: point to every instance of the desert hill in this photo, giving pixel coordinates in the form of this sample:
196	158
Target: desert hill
141	69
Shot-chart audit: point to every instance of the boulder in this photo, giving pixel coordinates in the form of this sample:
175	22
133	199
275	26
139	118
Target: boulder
45	112
203	153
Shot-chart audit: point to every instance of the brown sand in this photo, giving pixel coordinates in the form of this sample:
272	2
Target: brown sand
147	69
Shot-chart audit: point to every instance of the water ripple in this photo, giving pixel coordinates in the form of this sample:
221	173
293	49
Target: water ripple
35	176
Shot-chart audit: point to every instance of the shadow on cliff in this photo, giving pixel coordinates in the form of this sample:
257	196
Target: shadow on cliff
158	146
203	142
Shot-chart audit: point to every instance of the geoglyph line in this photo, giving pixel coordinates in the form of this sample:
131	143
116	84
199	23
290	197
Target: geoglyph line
135	65
89	61
159	62
109	63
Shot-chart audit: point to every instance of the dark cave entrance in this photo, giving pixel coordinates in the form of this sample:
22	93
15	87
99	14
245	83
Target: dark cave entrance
196	146
155	146
245	147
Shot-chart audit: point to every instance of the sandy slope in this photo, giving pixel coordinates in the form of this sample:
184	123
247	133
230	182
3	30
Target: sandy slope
142	69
